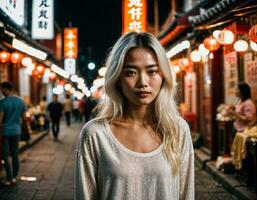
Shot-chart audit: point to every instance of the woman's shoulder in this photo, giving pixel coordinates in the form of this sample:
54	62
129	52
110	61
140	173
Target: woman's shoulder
183	125
92	127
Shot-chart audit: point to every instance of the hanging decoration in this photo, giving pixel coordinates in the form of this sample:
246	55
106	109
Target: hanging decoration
253	33
4	56
15	57
211	43
226	37
195	56
241	46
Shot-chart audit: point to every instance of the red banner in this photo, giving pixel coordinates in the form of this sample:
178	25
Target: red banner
134	16
70	43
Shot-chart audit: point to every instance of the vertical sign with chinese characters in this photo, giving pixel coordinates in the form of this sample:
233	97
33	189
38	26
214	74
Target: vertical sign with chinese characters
14	9
134	16
230	77
43	19
70	43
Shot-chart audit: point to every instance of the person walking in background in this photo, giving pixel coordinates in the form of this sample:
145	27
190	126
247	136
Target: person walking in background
67	107
82	109
12	110
137	147
55	109
43	105
75	105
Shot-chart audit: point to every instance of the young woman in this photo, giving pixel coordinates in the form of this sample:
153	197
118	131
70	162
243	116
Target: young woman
245	111
138	147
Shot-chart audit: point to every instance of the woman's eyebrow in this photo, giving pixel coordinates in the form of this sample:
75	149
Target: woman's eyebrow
135	67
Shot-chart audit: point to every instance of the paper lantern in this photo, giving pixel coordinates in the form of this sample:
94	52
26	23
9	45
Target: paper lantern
52	76
253	46
216	34
211	43
202	50
176	68
4	56
40	69
226	37
253	33
195	56
184	62
241	46
15	57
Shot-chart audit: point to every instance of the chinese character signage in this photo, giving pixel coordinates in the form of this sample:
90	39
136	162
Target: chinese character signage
70	65
231	77
14	9
70	43
43	19
134	16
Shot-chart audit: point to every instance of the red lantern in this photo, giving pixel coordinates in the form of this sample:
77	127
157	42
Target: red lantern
211	43
4	56
52	76
253	33
40	69
15	57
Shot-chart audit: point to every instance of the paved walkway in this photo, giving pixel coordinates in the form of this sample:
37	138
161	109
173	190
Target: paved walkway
52	164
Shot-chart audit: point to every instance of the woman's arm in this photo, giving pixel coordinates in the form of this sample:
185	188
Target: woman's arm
85	169
187	181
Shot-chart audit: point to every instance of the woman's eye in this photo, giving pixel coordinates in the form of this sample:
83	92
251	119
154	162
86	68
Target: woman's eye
130	73
152	72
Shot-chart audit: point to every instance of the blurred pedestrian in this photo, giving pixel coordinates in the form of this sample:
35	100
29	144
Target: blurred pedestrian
75	105
245	110
67	106
138	147
90	105
55	109
82	109
43	105
245	119
12	110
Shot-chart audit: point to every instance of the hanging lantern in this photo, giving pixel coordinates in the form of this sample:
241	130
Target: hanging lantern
195	56
176	68
52	76
241	46
226	37
184	63
4	56
253	33
40	69
216	34
211	43
15	57
202	50
253	46
26	61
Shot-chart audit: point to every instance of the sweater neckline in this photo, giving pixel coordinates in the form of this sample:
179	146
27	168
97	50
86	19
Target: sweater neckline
125	149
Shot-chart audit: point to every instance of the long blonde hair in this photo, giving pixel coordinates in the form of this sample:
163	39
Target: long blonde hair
165	108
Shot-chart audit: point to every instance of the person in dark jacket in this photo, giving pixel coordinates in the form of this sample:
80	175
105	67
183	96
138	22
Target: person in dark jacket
55	109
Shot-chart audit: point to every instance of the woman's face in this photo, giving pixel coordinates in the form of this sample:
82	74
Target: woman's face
238	93
141	78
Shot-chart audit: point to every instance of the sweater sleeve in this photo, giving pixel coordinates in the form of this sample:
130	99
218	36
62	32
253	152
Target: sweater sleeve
86	167
187	182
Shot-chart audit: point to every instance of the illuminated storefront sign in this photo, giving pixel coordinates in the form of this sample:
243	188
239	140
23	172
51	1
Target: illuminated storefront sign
70	65
70	43
134	16
14	9
43	19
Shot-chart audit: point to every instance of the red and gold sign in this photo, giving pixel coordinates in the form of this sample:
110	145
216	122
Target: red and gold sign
70	43
134	16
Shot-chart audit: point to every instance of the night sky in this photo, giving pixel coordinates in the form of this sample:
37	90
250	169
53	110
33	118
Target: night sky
99	23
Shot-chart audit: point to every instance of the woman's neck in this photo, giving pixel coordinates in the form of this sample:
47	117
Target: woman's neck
140	115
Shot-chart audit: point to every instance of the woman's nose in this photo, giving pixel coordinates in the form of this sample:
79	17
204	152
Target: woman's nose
142	80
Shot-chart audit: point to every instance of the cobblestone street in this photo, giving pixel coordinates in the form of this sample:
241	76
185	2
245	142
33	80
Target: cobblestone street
52	163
